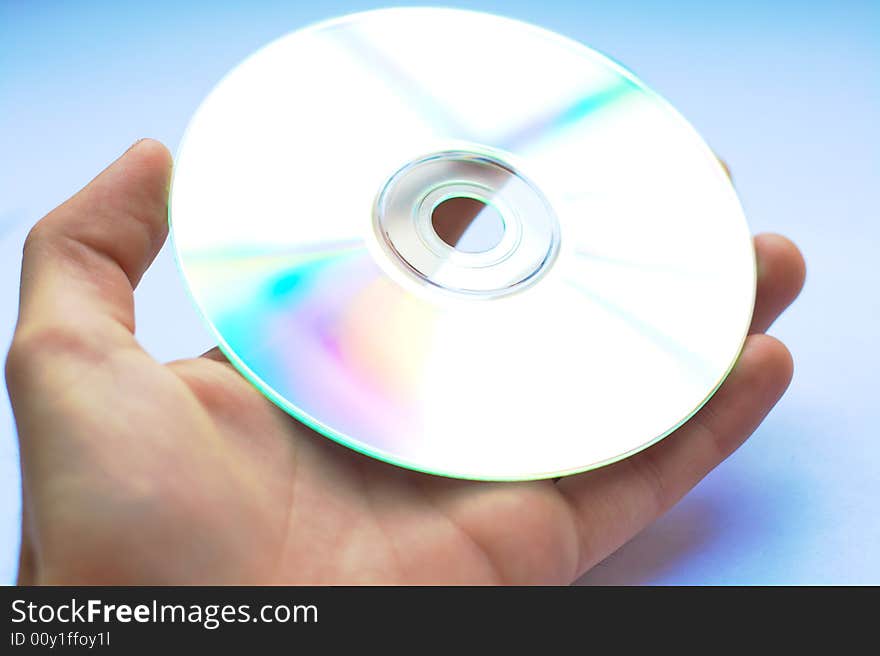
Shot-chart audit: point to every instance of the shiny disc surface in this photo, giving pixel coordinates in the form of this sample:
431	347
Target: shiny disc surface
613	304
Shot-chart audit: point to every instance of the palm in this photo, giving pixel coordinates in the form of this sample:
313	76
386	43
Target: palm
141	472
271	501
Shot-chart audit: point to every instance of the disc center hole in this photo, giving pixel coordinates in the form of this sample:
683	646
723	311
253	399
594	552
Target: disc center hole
468	224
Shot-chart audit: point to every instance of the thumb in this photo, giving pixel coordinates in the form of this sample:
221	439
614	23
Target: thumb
80	266
83	260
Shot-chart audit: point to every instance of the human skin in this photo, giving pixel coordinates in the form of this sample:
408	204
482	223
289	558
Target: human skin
137	472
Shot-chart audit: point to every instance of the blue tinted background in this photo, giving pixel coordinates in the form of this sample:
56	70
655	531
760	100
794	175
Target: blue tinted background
788	93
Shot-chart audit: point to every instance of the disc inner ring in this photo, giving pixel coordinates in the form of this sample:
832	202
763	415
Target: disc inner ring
402	219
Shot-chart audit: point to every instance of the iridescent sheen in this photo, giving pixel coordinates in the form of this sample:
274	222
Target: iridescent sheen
637	323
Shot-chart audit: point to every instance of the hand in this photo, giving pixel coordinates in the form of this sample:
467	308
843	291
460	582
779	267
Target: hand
138	472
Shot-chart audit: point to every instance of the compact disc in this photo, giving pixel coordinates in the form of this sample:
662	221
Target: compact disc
462	244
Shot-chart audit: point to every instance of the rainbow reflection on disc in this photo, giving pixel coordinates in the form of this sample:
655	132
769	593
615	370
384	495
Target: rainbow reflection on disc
610	305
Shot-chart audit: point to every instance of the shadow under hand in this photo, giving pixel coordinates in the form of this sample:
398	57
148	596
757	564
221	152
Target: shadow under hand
661	547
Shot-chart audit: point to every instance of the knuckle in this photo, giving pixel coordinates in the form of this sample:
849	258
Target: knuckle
35	237
650	472
218	387
30	346
18	357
